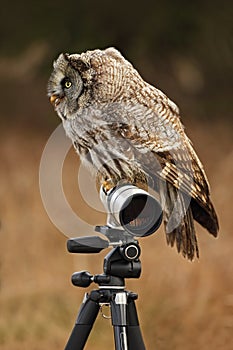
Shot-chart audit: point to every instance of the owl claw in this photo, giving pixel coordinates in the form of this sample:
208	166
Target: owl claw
107	186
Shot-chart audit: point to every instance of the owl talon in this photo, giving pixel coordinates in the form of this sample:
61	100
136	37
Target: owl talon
107	186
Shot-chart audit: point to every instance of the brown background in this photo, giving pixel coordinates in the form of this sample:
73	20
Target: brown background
185	49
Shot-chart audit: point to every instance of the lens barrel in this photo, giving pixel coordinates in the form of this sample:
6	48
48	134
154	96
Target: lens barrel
139	213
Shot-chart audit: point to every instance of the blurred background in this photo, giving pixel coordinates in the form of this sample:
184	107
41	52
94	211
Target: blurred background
185	48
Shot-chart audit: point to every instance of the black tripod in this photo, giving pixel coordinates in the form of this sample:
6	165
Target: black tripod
120	263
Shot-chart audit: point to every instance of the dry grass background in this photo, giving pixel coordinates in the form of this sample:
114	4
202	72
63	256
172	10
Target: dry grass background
181	305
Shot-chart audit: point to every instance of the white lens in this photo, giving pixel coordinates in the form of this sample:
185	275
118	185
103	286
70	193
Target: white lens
135	210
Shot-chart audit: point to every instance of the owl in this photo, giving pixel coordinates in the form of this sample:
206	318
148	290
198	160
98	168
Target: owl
129	131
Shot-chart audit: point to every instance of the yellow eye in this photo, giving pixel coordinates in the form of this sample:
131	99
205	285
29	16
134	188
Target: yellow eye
68	84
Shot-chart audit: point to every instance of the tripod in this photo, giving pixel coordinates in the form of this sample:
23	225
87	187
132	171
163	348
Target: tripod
120	263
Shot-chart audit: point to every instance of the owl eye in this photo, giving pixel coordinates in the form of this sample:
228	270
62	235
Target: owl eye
68	84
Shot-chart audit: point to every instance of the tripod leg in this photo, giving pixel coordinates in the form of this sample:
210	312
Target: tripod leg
135	339
127	332
119	321
120	336
82	328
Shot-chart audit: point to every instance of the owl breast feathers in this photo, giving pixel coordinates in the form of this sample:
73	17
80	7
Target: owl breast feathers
128	130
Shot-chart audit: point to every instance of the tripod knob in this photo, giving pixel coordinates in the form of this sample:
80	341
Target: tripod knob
82	279
130	251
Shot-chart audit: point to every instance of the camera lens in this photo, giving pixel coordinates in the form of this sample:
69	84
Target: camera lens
141	215
134	209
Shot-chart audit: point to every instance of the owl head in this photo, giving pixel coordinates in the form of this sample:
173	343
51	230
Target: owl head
78	80
65	86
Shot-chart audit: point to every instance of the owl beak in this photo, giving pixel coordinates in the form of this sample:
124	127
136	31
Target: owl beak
55	100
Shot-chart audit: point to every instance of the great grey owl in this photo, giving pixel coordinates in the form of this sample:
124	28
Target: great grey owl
130	131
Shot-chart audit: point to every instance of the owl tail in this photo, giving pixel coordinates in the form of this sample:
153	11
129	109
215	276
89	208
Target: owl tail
178	220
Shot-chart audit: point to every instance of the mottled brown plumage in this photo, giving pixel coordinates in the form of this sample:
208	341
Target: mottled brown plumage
129	130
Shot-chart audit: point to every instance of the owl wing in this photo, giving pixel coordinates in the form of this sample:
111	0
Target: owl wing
162	140
183	170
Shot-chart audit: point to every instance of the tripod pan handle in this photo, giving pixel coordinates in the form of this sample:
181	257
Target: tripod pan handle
92	244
